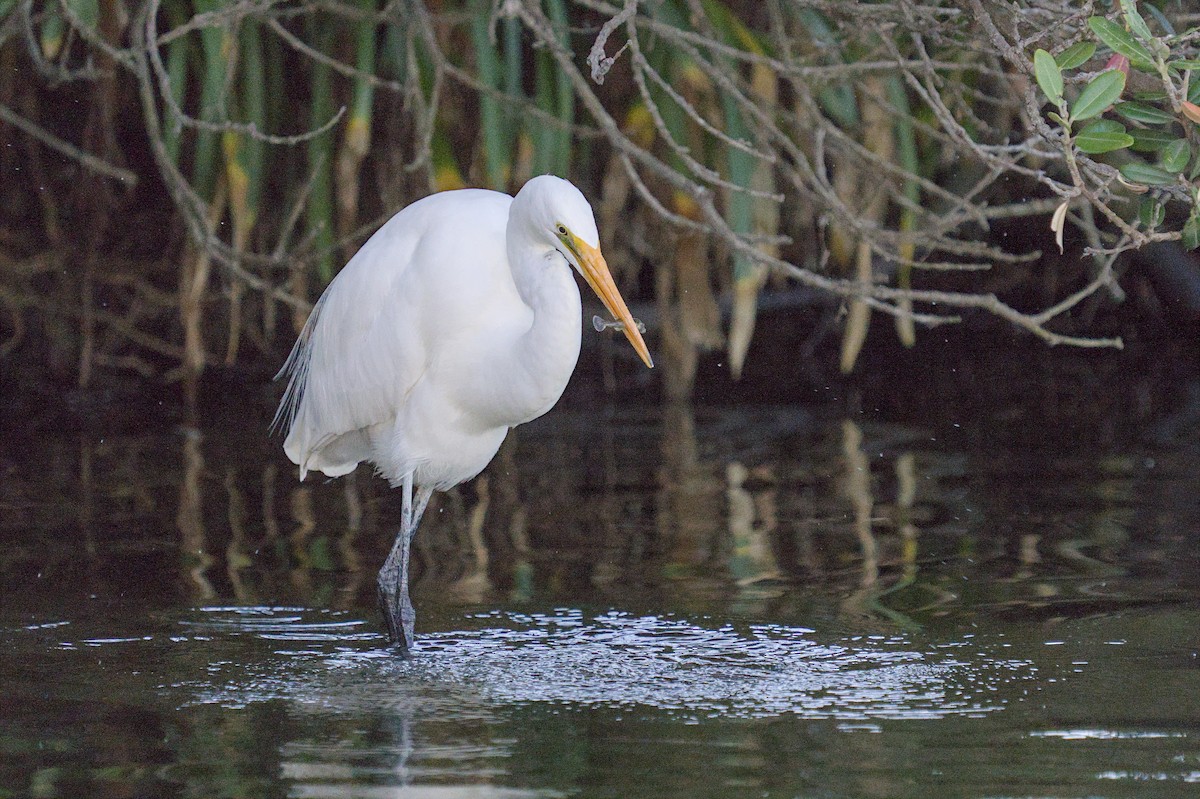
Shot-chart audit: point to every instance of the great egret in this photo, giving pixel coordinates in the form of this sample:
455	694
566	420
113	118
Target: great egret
456	321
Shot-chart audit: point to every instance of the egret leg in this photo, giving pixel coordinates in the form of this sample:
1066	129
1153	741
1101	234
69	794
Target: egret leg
398	612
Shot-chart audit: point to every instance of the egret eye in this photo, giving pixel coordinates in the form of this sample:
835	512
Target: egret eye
561	228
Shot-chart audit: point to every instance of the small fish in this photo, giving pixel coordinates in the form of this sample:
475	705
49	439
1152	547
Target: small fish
602	324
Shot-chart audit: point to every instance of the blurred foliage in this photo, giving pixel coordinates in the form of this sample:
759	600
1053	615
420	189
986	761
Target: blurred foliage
863	151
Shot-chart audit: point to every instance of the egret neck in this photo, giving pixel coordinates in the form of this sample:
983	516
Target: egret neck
546	353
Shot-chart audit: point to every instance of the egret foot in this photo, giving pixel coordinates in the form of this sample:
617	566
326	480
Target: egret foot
398	612
397	608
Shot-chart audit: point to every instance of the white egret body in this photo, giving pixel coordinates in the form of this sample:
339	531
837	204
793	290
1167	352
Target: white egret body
458	320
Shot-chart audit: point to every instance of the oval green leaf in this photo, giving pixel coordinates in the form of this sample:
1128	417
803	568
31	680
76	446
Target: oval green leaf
1120	41
1135	21
1191	233
1103	136
1140	112
53	30
1100	93
1146	174
1106	126
1151	140
1151	213
1048	75
1075	55
1175	156
1149	95
85	11
1161	19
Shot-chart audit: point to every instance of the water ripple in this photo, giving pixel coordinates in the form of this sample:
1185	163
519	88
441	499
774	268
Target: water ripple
568	658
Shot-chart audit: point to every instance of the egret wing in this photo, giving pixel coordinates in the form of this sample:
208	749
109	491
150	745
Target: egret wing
367	342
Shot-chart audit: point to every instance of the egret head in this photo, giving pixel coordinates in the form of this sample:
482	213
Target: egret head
557	213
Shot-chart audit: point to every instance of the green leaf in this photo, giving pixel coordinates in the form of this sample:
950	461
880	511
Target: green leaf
837	99
1151	140
495	129
245	155
731	29
358	126
1135	21
177	76
1100	93
1104	126
908	157
1075	55
1176	155
215	47
1149	95
1191	233
1161	19
1056	118
1151	212
1049	76
321	208
53	30
514	58
1120	41
553	93
1194	92
1140	112
86	11
1190	64
1139	172
1103	136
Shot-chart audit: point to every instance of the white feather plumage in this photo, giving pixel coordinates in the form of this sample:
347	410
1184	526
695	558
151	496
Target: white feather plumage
458	320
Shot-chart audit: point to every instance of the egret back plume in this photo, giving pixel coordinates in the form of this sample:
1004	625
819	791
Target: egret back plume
295	368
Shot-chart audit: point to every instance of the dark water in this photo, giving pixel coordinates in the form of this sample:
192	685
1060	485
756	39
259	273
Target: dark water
861	598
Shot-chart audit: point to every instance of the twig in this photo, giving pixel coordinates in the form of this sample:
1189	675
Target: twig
882	298
337	66
54	73
190	205
597	60
211	19
87	160
224	126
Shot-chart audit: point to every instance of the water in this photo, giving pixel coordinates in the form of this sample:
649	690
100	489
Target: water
710	601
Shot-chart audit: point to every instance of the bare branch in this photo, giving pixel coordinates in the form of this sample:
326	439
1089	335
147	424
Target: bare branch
87	160
597	60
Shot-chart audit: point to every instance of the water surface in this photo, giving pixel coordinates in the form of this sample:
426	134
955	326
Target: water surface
763	600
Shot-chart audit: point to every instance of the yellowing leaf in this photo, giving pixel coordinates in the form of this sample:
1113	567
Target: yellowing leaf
859	318
1058	222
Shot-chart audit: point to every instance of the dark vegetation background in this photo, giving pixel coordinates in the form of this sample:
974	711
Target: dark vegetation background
776	183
